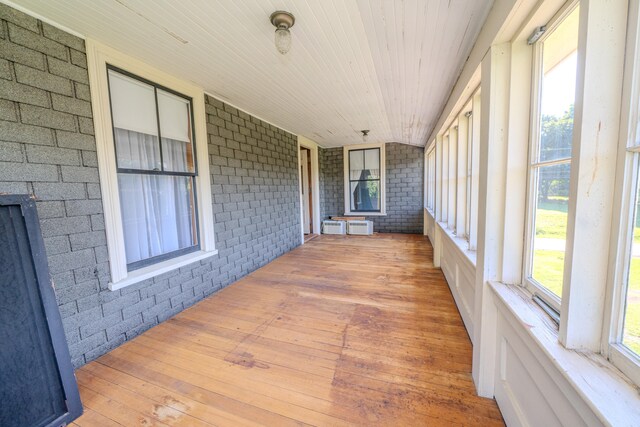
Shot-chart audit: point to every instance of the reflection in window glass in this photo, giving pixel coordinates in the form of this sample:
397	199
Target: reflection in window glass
552	163
364	180
631	329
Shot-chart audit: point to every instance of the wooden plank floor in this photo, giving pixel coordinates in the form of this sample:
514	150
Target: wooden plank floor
341	331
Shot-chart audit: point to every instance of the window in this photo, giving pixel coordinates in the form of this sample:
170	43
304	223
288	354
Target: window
467	216
453	178
364	179
155	160
554	82
624	338
444	214
151	141
431	179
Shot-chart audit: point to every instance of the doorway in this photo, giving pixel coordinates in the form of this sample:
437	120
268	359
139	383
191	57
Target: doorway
309	188
306	191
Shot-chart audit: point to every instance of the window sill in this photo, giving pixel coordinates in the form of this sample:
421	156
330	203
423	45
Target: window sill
365	214
609	394
460	243
145	273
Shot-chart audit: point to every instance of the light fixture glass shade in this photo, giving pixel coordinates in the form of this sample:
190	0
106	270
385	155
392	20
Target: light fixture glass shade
283	40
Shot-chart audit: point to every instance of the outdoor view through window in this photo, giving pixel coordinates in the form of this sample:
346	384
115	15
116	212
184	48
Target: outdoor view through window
551	163
631	331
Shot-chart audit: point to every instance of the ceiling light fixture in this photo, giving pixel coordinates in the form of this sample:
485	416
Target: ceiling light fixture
365	135
282	21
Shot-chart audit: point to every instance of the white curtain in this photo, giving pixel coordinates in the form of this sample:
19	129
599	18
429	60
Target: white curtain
157	210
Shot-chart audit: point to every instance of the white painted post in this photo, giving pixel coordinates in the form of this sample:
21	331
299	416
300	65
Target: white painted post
475	167
601	48
492	173
517	162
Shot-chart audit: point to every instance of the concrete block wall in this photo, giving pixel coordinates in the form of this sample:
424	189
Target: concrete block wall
405	185
404	188
330	170
47	149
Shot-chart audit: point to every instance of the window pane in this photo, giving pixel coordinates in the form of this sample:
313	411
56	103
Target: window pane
372	163
364	164
133	111
356	164
631	330
550	225
467	221
133	104
445	179
365	196
158	214
175	128
558	86
135	150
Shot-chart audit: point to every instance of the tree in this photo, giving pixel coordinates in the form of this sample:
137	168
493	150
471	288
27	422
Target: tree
556	137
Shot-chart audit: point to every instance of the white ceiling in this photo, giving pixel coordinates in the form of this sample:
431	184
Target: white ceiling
383	65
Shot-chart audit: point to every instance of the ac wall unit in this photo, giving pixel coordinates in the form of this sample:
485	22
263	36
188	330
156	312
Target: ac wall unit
334	227
362	228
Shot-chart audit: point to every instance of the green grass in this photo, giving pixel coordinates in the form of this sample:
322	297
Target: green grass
548	269
632	319
551	224
548	266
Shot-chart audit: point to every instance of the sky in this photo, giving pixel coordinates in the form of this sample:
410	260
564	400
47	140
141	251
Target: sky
559	87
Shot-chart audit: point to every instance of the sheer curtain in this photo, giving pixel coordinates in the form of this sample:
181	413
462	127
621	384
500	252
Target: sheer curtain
157	210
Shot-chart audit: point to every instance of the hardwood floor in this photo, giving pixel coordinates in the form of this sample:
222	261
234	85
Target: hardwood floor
345	330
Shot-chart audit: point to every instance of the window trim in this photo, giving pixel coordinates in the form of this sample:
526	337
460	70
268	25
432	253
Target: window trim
627	175
534	164
346	179
136	265
99	57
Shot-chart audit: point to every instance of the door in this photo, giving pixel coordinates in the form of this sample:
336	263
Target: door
305	160
37	384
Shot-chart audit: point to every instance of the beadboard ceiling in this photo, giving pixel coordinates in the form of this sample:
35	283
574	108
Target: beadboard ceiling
383	65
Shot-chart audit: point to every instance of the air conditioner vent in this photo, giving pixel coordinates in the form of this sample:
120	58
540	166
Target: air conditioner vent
362	228
334	227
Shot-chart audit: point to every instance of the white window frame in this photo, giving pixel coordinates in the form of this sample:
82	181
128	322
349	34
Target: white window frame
628	169
534	141
467	113
431	178
383	179
444	207
453	178
456	183
98	57
475	168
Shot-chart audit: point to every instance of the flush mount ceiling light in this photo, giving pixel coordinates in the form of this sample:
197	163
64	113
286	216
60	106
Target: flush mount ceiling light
282	21
365	135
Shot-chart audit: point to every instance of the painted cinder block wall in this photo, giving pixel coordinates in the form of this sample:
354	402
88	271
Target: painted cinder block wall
47	149
404	187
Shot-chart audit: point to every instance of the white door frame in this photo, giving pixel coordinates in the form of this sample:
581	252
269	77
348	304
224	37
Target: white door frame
315	185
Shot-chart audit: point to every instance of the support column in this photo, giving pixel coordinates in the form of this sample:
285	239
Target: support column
517	162
601	47
492	174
